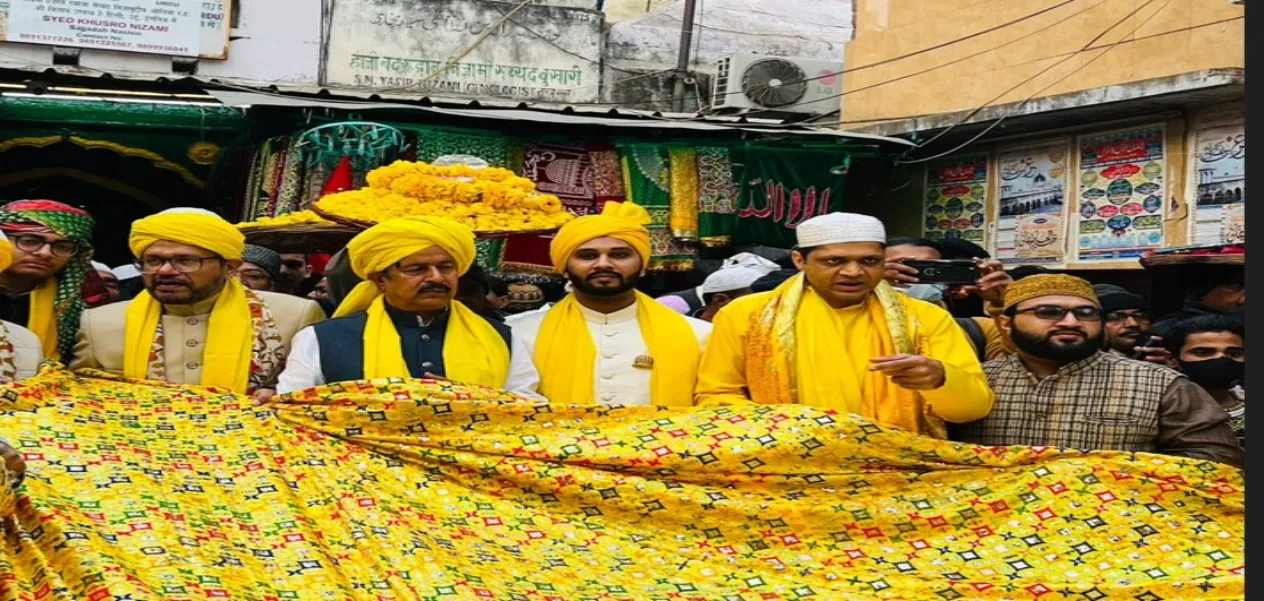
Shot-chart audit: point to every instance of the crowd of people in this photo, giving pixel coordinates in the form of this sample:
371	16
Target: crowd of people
1020	357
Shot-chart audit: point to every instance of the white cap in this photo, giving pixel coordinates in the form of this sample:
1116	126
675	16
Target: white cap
733	278
837	228
126	272
101	267
750	260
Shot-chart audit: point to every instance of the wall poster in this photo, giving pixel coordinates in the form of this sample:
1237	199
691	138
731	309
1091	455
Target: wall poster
956	197
1220	169
1031	212
1121	210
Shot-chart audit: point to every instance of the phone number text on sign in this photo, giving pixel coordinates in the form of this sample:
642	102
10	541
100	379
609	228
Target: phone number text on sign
170	27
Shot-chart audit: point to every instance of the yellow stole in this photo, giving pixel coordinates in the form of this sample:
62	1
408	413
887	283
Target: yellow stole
564	353
473	351
788	364
42	319
229	339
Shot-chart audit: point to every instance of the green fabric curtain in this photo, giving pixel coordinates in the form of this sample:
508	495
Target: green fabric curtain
782	188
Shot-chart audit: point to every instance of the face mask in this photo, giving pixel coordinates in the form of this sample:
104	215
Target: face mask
1215	374
931	293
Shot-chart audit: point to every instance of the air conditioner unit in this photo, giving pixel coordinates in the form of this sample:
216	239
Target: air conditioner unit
774	83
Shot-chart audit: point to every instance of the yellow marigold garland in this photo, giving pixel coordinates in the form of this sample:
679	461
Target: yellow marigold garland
487	200
296	218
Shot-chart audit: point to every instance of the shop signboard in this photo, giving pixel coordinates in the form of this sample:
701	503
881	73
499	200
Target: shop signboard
539	53
168	27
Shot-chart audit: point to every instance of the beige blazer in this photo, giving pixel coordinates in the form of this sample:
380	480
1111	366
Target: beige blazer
102	332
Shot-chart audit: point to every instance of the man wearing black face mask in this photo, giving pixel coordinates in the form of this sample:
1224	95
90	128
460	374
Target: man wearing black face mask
1211	350
1061	390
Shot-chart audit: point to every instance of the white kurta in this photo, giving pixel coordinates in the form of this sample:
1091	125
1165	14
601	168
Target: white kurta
617	338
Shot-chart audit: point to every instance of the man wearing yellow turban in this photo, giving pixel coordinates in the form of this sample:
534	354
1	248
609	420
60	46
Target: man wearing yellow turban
21	351
838	337
194	323
402	320
606	342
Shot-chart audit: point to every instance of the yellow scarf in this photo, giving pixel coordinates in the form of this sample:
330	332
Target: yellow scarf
473	351
564	353
786	364
229	339
43	319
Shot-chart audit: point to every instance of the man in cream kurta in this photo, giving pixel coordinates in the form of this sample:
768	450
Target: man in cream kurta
206	327
619	343
605	342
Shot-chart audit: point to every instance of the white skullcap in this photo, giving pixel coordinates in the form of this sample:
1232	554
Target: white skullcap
837	228
750	260
101	267
732	278
126	272
675	303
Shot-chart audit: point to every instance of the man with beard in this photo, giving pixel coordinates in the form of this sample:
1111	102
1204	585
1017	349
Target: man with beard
195	323
1061	390
44	287
1128	324
606	342
402	320
838	337
1211	351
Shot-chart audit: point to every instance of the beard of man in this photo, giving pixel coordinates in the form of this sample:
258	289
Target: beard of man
189	295
626	283
1043	346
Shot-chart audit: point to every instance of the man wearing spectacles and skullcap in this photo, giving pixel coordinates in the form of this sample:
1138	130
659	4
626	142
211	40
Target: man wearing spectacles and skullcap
1061	390
195	323
52	254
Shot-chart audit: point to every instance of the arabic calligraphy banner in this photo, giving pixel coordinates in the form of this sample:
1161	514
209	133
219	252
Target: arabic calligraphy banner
1220	166
1031	216
1121	209
780	190
956	198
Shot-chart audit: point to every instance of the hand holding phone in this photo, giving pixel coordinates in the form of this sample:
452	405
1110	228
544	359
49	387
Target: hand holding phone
952	272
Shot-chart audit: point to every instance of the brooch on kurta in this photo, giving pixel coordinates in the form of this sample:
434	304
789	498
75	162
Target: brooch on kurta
643	362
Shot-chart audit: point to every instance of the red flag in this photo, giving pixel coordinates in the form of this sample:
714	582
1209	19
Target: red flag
340	181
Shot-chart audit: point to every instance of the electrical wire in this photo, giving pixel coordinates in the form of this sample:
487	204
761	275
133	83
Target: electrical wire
997	122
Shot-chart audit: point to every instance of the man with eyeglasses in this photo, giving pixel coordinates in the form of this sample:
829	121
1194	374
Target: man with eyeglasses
195	323
43	288
1061	390
260	268
402	320
1128	325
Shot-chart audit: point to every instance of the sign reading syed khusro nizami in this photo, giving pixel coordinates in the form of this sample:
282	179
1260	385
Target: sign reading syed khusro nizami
171	27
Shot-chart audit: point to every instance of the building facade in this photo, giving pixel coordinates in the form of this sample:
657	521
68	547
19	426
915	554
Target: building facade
1074	133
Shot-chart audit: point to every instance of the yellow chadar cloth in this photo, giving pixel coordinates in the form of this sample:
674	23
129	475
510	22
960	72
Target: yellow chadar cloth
226	357
565	353
473	351
790	346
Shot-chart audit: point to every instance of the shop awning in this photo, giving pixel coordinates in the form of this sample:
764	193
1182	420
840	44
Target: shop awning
622	119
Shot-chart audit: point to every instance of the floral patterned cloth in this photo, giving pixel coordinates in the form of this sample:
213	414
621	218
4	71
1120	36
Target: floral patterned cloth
401	490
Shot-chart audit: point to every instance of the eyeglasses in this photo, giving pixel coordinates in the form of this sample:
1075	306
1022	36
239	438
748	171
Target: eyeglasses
33	244
1125	314
180	264
1056	313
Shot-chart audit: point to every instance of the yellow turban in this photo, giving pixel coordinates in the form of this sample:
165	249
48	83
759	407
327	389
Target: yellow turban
195	227
387	243
6	252
619	220
1049	284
